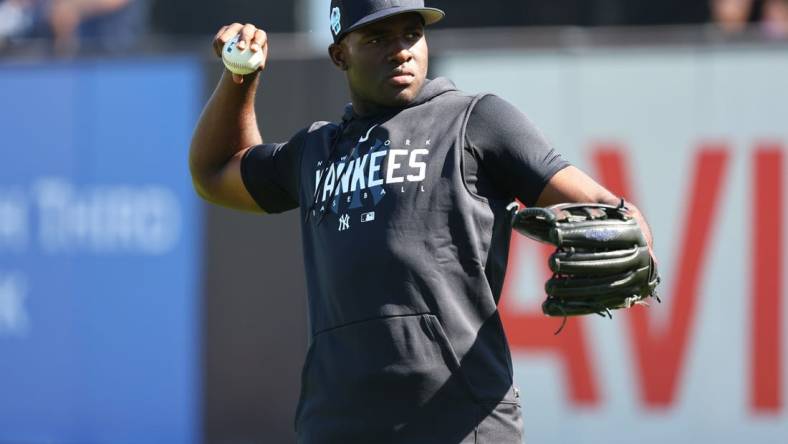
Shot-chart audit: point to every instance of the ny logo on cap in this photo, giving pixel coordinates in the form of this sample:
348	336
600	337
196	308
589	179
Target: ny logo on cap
336	26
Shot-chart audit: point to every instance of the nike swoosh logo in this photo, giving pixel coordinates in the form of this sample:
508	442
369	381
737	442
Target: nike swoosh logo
366	137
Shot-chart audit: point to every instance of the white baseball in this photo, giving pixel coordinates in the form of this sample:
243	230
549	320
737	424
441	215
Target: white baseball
239	61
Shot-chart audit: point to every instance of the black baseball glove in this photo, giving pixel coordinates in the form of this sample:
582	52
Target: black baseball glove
602	261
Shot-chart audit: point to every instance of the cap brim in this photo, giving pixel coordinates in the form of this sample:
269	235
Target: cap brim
430	15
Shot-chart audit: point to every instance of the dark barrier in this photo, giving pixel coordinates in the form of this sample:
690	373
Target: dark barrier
255	307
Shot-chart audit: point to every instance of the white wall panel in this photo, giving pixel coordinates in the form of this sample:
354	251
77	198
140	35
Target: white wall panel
660	107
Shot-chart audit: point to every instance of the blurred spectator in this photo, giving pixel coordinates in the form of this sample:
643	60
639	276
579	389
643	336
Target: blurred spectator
732	16
100	24
112	24
774	20
16	18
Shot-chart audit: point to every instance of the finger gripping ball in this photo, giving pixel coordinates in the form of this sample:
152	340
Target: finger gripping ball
240	61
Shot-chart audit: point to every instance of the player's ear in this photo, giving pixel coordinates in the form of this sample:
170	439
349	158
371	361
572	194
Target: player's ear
338	56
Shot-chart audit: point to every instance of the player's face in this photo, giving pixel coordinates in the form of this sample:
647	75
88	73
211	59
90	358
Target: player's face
386	62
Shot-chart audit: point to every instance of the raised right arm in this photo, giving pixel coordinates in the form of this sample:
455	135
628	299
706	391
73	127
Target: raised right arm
227	128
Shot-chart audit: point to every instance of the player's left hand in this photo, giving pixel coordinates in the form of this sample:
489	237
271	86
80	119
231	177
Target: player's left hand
601	262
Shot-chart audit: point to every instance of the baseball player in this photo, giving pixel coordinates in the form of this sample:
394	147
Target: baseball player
405	227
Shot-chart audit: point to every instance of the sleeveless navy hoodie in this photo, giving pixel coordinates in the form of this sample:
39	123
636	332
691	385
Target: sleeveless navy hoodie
404	266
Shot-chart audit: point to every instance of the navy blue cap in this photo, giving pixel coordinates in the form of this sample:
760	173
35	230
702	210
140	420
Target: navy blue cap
349	15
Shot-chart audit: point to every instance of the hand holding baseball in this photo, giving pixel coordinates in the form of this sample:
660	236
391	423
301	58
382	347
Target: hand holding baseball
246	49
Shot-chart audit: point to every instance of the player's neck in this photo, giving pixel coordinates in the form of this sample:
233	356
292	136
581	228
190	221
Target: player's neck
364	109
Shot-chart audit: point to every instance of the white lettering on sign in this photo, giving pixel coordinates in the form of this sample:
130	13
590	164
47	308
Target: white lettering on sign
104	219
14	220
14	320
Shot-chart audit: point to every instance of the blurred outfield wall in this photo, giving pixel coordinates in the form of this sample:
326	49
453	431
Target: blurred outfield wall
100	237
197	334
